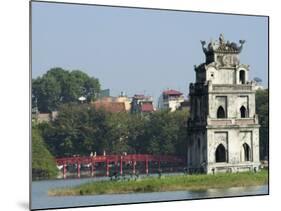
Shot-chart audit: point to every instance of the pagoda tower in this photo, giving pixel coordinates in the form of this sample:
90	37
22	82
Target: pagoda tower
223	129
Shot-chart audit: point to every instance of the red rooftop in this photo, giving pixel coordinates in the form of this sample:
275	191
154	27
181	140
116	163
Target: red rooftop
147	107
172	92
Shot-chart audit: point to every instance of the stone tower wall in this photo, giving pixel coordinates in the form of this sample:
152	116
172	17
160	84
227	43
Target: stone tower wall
223	129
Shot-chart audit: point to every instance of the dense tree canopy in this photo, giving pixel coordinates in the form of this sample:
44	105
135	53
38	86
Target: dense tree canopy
58	86
81	129
43	163
262	109
166	132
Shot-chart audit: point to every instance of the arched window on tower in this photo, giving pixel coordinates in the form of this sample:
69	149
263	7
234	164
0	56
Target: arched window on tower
220	154
242	77
243	112
221	113
246	152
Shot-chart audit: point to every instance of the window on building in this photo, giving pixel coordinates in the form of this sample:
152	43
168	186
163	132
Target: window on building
246	152
220	154
242	78
243	112
221	113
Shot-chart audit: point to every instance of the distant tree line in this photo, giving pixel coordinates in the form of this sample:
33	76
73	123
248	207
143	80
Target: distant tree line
262	109
80	129
43	163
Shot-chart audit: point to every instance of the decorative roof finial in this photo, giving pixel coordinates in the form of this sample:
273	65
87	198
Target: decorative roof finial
242	42
203	43
221	46
221	39
241	46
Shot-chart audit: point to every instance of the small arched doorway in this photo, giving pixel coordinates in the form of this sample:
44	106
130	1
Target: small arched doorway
243	112
220	113
220	154
247	152
242	78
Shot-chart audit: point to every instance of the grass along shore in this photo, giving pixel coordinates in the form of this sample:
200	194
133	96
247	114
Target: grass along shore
166	183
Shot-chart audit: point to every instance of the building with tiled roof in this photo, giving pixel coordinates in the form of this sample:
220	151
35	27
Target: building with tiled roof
124	99
170	99
113	107
141	104
171	92
114	104
146	107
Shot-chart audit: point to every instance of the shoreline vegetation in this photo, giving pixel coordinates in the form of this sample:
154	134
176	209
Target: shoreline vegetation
166	183
63	126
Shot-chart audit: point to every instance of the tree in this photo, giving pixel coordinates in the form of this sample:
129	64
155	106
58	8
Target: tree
58	86
166	133
46	91
263	112
137	140
118	132
77	130
81	129
43	163
181	142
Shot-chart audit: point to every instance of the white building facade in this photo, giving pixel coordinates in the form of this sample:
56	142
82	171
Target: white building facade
223	129
170	99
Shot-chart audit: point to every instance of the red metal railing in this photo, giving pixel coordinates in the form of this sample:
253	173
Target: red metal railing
117	159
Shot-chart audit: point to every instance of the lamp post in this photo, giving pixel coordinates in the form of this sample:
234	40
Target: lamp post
82	99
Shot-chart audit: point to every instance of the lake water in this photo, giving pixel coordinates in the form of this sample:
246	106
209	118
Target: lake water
41	200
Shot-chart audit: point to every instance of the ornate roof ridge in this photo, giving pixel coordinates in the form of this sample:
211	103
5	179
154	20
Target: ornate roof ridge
222	46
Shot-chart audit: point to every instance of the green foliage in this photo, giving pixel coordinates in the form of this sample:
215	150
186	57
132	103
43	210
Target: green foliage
118	132
168	183
59	86
262	109
78	129
137	140
43	163
81	129
166	132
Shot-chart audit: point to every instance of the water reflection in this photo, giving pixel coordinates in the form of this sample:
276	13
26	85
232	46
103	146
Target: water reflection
40	198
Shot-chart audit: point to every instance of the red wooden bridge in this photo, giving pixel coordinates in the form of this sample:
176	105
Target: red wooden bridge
118	160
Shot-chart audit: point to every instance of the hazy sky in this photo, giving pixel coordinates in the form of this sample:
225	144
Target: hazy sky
139	50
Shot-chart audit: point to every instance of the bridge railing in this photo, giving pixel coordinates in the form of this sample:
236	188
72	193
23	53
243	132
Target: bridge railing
117	159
